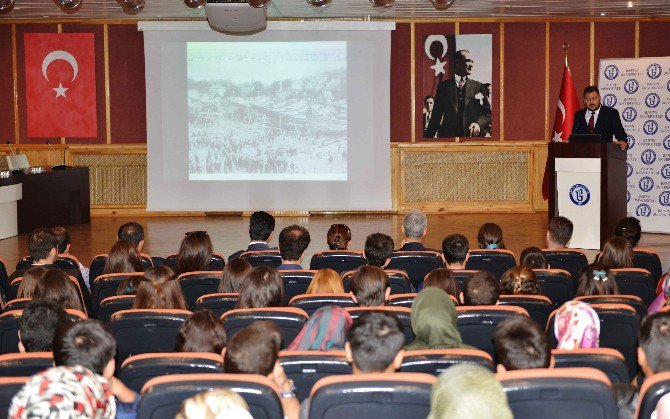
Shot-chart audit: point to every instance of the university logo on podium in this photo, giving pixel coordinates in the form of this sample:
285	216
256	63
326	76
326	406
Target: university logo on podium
580	194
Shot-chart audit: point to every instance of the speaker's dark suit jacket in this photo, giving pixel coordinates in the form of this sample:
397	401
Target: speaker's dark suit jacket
608	124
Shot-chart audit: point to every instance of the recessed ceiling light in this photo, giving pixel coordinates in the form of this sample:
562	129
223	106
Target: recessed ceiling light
602	14
630	4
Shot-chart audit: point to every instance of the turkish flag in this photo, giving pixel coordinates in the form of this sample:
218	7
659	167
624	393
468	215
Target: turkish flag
568	104
60	85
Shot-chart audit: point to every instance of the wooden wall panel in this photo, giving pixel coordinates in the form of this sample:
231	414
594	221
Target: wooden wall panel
6	85
524	67
654	38
606	47
401	96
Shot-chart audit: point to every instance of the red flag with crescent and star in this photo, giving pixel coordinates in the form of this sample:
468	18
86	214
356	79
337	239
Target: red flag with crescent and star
60	85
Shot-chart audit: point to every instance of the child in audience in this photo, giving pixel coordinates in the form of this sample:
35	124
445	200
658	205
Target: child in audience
369	286
195	253
455	248
234	275
519	281
56	285
202	332
481	289
443	279
325	281
264	287
617	254
123	258
490	236
338	237
325	330
629	228
214	404
559	233
597	280
39	321
434	321
533	258
576	325
520	343
29	282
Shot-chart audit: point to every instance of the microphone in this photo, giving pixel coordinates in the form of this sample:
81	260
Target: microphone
58	166
11	150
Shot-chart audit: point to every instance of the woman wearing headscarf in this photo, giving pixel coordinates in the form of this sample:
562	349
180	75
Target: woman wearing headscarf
434	321
326	330
576	326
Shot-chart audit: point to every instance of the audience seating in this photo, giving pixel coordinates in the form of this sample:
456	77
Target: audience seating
552	393
196	284
406	300
649	260
97	266
162	396
26	364
417	264
13	288
402	313
610	361
619	329
636	281
496	261
389	396
9	328
398	281
436	361
63	262
571	260
9	386
219	303
653	388
477	323
631	300
312	302
462	275
296	283
217	263
289	321
106	286
338	260
111	305
139	369
305	368
258	258
556	284
143	331
17	304
538	307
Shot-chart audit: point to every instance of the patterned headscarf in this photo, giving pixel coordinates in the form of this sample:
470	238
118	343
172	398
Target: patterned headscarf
326	330
64	392
576	326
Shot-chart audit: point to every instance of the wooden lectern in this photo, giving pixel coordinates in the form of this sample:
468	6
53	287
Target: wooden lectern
587	184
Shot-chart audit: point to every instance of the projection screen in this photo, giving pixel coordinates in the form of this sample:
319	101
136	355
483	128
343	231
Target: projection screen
293	118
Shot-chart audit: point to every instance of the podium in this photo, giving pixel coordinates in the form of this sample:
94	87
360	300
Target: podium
587	184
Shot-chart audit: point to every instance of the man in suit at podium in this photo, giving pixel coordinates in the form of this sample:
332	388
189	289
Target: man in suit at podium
596	118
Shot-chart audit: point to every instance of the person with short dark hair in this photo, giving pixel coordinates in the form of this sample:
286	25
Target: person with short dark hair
519	281
481	289
533	258
263	287
369	286
428	103
203	331
338	237
64	249
39	321
559	233
520	343
629	228
378	249
599	119
442	279
261	227
455	248
490	236
293	243
132	233
596	279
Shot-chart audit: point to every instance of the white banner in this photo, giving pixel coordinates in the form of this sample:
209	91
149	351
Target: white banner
640	89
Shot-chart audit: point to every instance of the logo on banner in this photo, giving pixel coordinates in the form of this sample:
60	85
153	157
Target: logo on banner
643	210
665	171
611	72
580	194
650	127
654	71
631	141
629	114
648	156
652	100
631	86
629	169
610	100
646	184
666	142
627	196
667	114
668	86
664	198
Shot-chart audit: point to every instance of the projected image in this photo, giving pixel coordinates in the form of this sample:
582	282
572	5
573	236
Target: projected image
267	110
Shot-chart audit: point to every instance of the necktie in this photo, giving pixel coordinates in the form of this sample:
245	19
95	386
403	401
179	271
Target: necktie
461	83
591	123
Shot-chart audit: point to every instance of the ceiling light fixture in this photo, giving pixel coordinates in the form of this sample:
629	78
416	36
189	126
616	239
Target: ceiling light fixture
194	4
6	6
131	7
319	3
382	4
602	14
442	4
630	4
68	6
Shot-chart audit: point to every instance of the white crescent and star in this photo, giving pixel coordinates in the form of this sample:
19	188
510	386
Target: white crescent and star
60	55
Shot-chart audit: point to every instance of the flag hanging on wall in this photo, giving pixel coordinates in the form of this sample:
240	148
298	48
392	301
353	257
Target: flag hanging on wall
60	85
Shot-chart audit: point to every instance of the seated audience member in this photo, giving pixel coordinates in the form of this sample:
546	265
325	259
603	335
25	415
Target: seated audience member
490	236
160	274
123	258
129	285
481	289
234	275
325	281
325	330
559	233
576	326
254	350
533	258
521	344
455	248
519	281
263	287
442	279
64	248
39	321
663	291
629	228
369	286
214	404
338	237
29	282
617	253
415	227
261	226
378	249
56	285
202	332
195	253
596	280
293	243
159	295
434	321
132	233
468	391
